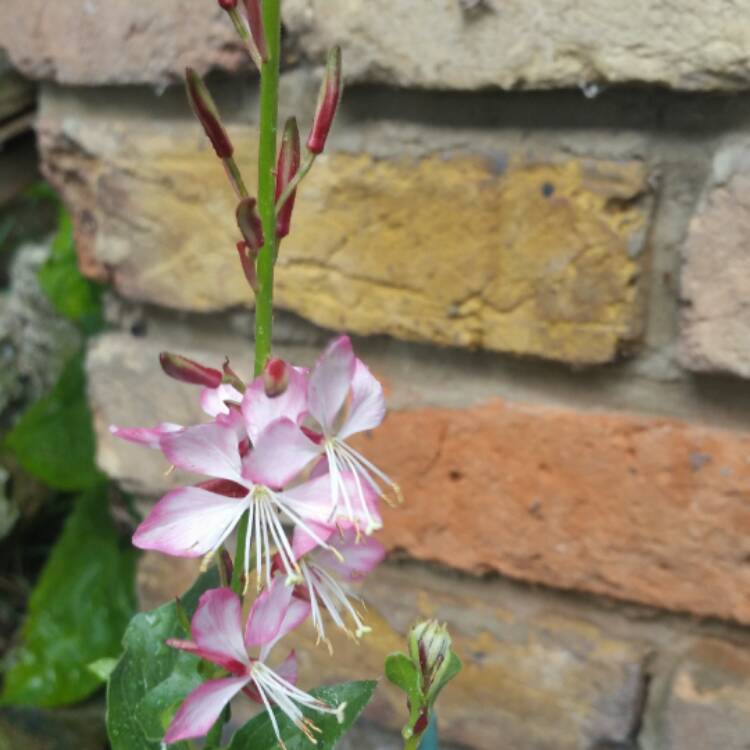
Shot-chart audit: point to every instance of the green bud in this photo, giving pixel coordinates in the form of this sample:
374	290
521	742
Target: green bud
430	648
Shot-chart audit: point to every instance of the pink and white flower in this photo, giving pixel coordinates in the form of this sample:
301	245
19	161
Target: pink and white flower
326	576
344	398
196	521
219	638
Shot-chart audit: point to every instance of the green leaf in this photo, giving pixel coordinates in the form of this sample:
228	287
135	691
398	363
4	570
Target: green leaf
77	612
54	439
72	295
151	679
258	733
400	670
102	668
403	673
451	669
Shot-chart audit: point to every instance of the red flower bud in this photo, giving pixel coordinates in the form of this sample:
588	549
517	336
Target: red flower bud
287	167
255	22
250	224
185	370
227	4
247	261
205	110
328	102
275	377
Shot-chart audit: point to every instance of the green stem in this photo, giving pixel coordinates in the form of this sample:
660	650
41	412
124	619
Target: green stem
269	111
269	114
413	742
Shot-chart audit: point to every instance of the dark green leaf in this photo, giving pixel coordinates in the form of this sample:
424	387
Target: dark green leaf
452	668
54	439
77	612
72	295
151	678
258	733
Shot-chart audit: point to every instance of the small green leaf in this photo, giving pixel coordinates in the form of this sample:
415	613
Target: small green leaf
102	668
400	670
403	673
54	439
77	612
72	295
151	679
452	668
258	733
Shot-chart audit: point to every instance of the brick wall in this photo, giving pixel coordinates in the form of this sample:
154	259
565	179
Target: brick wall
534	217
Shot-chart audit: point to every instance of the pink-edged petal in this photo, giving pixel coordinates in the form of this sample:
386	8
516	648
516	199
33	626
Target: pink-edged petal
259	410
189	522
287	670
297	612
312	500
202	707
360	557
330	381
149	436
268	613
367	408
213	399
303	542
217	630
281	452
209	449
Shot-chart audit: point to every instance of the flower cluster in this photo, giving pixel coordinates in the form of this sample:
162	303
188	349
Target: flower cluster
276	458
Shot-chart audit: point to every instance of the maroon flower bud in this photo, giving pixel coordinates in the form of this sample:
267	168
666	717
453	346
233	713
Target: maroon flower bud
185	370
247	261
205	110
328	102
255	22
227	4
250	224
275	377
287	167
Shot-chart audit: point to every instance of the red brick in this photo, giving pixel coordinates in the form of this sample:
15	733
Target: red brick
642	509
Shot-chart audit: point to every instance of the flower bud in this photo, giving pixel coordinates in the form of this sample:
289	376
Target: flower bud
250	224
185	370
227	4
247	261
429	648
275	377
205	110
328	102
255	22
287	167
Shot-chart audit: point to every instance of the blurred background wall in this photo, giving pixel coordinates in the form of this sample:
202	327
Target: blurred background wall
535	217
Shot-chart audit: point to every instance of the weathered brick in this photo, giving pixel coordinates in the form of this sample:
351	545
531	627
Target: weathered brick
117	41
705	703
470	44
534	677
715	283
639	508
466	44
540	259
